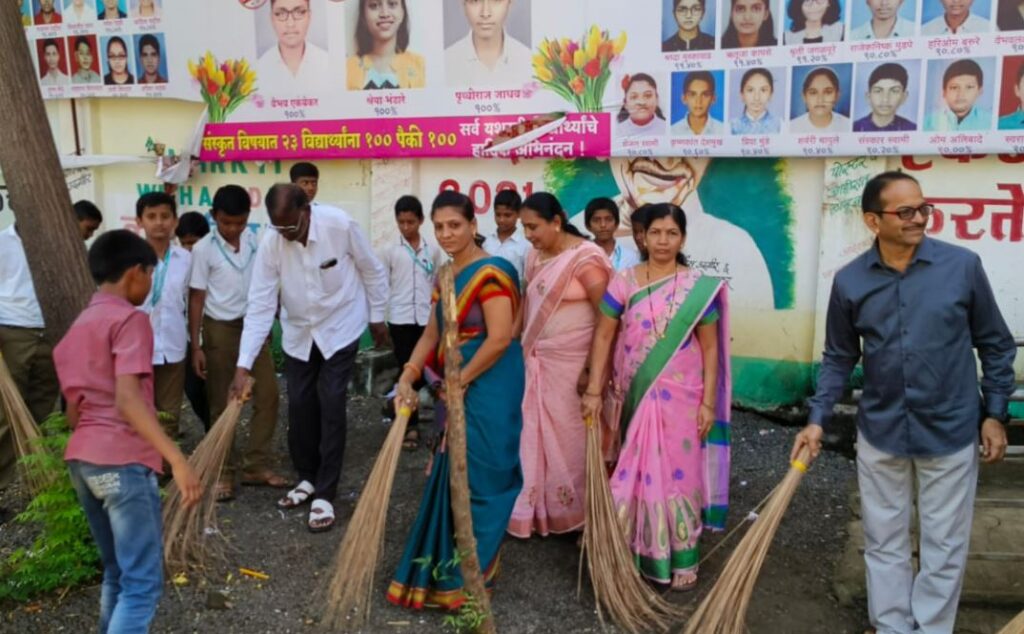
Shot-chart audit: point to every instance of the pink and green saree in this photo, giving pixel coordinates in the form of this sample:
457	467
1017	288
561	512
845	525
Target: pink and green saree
668	484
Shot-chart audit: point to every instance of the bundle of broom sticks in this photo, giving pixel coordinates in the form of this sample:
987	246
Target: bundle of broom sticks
724	609
349	591
1016	626
191	538
618	587
24	430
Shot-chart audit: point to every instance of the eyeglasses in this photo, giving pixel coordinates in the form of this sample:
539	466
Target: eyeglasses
296	14
909	213
117	56
689	11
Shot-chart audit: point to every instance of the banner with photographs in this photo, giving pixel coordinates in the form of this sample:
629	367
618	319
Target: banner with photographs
451	78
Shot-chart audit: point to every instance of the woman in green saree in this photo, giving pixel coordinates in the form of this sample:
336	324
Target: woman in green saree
493	376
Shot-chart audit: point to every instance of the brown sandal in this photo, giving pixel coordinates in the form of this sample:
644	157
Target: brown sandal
224	491
265	478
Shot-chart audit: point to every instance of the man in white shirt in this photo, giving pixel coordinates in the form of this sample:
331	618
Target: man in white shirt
412	266
885	22
80	11
293	66
26	352
506	242
157	215
957	19
330	285
488	55
222	264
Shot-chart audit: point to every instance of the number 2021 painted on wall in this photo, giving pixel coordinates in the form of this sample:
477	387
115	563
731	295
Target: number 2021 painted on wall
481	192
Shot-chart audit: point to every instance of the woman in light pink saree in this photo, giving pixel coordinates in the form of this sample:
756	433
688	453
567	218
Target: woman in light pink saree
566	277
670	392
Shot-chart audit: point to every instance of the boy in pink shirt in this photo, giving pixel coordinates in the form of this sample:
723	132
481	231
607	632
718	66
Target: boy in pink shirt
105	367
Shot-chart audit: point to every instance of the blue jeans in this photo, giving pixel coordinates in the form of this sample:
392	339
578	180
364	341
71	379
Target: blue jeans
122	505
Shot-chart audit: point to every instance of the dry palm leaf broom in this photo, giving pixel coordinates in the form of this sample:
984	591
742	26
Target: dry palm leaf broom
458	474
190	534
349	591
618	587
724	609
1016	626
24	430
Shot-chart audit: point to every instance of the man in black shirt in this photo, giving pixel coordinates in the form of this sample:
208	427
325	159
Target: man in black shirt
689	37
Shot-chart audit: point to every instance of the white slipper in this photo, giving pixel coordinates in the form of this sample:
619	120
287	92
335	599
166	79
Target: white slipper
321	516
297	496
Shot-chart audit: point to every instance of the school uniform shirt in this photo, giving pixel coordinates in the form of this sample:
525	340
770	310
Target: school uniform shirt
18	304
713	127
902	28
767	123
74	15
898	124
273	71
945	120
938	26
225	274
463	65
166	305
54	78
513	249
411	275
803	124
1012	121
624	257
655	127
330	288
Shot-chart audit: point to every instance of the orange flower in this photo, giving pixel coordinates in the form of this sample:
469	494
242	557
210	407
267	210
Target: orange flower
577	85
606	50
566	58
223	101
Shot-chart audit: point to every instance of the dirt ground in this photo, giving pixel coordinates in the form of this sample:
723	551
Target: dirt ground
536	589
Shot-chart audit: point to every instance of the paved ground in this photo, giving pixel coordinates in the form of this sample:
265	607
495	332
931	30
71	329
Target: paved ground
537	587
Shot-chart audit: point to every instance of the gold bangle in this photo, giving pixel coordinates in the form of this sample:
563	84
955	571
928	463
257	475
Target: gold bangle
410	366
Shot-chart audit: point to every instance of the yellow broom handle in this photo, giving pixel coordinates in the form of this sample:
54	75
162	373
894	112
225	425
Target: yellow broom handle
803	459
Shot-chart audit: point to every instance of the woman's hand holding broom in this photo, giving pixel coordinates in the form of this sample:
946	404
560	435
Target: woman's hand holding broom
405	394
809	438
590	406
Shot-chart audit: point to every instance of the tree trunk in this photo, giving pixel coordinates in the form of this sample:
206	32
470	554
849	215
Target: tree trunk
465	540
35	181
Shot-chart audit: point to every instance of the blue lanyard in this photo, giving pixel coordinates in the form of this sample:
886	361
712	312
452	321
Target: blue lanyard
159	277
426	264
234	265
616	257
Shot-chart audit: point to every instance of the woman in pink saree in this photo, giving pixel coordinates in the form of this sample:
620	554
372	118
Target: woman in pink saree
670	392
566	277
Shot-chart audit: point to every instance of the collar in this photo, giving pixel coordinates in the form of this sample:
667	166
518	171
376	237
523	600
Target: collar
469	50
423	244
102	297
314	231
514	237
925	253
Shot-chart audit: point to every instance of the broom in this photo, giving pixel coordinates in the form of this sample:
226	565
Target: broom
618	587
350	588
186	543
1016	626
24	430
724	609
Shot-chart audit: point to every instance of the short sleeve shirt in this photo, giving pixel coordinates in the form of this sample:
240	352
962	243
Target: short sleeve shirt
109	339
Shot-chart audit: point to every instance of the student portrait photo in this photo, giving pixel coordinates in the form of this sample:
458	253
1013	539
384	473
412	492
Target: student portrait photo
955	17
697	109
640	114
291	41
46	12
117	62
53	62
814	21
820	99
84	60
146	8
957	99
748	23
887	96
1011	102
487	42
687	25
382	55
1010	15
883	19
80	11
757	100
111	9
151	62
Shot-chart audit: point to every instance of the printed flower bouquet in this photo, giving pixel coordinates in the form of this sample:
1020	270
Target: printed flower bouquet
224	87
579	71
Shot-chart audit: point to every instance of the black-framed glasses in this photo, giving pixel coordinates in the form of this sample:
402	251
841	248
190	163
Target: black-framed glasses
908	213
297	14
